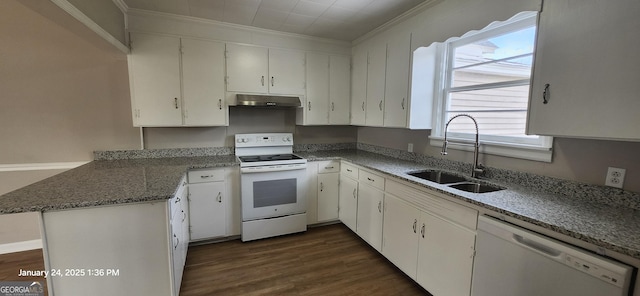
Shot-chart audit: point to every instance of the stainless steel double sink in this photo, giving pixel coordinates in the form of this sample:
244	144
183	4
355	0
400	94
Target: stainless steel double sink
454	181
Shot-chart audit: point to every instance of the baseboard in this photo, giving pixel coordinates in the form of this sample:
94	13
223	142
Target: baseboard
21	246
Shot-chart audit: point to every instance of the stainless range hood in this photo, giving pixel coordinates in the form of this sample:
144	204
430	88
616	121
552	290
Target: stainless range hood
267	101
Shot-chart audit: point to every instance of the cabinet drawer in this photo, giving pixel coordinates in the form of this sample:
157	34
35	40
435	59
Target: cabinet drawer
332	166
371	179
348	170
206	175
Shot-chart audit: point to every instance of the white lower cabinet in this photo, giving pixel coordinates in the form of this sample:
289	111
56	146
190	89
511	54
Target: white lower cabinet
445	256
328	192
369	216
179	233
348	205
400	229
207	204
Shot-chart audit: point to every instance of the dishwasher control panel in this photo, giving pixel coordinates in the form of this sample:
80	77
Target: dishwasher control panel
594	270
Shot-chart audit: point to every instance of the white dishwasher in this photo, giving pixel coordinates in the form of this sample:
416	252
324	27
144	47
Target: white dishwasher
514	261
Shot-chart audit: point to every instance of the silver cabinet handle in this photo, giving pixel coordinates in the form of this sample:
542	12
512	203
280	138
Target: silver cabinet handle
362	106
349	170
422	230
271	80
380	105
354	193
309	105
380	206
328	167
206	176
545	94
262	80
402	104
372	180
321	186
175	100
332	107
219	197
220	104
415	225
177	200
184	215
177	241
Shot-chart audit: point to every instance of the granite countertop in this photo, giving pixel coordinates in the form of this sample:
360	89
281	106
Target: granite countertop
608	226
106	182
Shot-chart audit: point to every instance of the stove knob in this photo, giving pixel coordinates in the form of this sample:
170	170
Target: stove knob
288	139
238	140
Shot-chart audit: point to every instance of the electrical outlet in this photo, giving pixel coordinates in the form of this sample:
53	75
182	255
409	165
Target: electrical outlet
410	147
615	177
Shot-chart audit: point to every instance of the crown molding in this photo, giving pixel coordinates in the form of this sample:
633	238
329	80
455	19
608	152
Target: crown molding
184	18
121	5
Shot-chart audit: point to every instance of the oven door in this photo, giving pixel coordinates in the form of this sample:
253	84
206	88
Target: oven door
273	191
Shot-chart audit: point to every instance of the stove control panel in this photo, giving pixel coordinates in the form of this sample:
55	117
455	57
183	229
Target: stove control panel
263	140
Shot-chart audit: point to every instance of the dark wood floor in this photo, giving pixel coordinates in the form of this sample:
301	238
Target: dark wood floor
327	260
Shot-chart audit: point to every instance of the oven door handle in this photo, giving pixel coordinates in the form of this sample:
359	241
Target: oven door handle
275	168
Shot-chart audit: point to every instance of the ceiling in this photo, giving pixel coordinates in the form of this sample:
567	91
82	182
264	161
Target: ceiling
336	19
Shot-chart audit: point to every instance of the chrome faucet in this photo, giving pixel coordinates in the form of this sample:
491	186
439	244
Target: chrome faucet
477	168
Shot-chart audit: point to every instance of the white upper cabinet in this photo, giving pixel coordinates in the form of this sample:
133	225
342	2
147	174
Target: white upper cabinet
316	109
359	86
286	72
154	73
177	82
203	83
247	68
376	73
255	69
328	90
397	80
585	78
339	89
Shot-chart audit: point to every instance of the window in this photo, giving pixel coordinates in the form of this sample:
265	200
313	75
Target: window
487	74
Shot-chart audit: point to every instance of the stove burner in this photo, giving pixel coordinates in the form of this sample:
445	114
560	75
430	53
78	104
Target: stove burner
257	158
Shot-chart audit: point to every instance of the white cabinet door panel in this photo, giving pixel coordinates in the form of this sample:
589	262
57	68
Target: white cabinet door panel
286	72
397	81
339	90
203	83
369	219
359	87
376	70
247	68
207	207
317	105
328	197
154	66
400	234
348	202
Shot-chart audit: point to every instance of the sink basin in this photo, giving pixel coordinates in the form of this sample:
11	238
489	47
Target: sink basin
475	187
437	176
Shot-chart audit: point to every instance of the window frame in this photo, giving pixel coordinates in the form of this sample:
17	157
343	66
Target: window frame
539	149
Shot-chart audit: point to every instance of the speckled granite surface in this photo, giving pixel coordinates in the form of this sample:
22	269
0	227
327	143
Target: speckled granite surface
106	182
605	217
588	218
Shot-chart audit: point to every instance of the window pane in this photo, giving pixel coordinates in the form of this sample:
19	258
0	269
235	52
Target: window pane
493	72
496	48
510	123
505	98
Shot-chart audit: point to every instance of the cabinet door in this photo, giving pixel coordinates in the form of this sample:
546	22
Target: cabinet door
286	72
586	52
445	257
328	197
369	219
207	210
339	89
348	208
359	87
317	108
376	70
203	83
397	81
154	67
247	68
400	234
312	192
